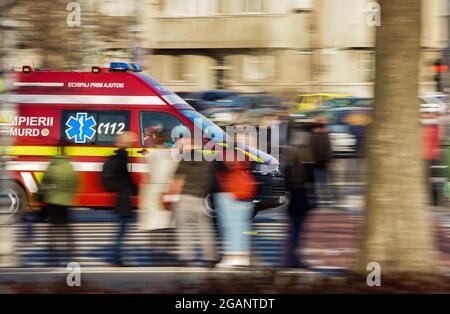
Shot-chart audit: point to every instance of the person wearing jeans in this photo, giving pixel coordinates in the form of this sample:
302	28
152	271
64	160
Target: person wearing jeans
322	153
234	219
124	188
233	201
123	226
298	209
298	177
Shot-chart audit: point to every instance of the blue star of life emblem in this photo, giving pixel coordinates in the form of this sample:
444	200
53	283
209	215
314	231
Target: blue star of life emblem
80	128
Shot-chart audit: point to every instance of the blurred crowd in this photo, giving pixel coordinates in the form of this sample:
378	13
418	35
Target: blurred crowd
172	194
347	119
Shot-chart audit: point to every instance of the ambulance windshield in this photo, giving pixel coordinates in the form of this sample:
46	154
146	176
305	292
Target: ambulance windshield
212	131
166	94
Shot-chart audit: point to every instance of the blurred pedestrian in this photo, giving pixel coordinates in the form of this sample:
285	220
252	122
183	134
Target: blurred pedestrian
9	219
124	187
432	138
193	179
282	141
446	153
283	121
298	158
234	206
275	125
57	191
321	153
152	214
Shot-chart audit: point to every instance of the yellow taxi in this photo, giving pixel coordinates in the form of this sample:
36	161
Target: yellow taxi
308	102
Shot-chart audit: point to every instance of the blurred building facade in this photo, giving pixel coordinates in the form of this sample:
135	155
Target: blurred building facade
273	45
276	46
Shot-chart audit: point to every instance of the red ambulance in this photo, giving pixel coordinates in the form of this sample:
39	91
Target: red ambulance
89	109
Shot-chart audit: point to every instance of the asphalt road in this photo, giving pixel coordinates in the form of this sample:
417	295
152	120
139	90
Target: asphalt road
329	243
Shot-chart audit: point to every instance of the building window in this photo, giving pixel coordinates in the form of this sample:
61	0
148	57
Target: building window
366	66
302	5
118	8
191	7
253	6
258	68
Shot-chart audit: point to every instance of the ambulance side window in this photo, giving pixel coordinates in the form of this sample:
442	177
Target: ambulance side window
158	126
98	127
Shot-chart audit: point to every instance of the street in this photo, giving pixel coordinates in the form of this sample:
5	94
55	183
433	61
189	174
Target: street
330	241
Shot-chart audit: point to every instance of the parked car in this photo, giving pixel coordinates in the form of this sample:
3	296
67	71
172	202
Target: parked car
254	107
203	100
437	101
183	94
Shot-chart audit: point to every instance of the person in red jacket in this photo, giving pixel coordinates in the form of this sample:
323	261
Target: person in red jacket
432	136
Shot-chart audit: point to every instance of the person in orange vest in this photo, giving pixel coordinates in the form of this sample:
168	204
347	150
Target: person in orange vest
237	188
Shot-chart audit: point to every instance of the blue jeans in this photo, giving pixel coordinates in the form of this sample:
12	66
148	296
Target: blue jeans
123	224
234	219
323	189
321	176
298	209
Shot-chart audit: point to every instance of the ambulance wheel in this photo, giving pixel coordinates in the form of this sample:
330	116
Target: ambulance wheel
14	199
209	206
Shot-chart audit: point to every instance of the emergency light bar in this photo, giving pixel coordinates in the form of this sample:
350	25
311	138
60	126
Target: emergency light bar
124	67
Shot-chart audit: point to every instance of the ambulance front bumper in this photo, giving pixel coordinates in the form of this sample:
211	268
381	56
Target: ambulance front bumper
271	191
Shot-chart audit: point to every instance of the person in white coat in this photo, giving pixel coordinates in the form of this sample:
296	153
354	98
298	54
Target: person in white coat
161	168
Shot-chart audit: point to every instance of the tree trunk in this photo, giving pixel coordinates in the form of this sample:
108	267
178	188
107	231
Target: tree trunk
397	232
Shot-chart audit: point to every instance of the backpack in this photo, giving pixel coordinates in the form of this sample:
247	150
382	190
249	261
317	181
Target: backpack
238	181
295	172
321	147
109	174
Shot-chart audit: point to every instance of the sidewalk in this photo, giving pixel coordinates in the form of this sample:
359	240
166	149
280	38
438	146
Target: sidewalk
202	281
163	280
